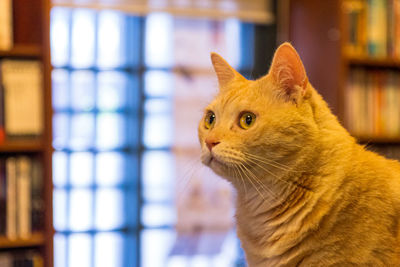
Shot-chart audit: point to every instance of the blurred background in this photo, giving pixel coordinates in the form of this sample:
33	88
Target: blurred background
100	102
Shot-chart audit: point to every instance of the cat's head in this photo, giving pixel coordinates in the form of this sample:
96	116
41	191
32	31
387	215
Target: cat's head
259	124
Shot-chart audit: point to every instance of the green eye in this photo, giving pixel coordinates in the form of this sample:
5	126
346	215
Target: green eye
209	120
246	120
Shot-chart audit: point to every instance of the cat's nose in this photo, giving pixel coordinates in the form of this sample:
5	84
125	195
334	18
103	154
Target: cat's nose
211	143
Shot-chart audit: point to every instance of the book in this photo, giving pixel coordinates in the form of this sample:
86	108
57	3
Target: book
37	201
24	197
11	180
3	198
23	97
372	98
6	28
377	28
2	131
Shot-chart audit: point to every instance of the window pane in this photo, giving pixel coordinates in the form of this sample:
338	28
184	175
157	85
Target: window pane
158	123
108	250
111	94
156	215
60	249
156	246
80	210
60	130
109	209
158	40
109	168
82	131
110	39
82	90
162	175
59	36
110	130
60	168
60	87
158	83
83	38
80	250
60	209
81	171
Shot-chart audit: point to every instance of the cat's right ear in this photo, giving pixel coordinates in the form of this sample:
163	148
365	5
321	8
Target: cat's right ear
225	73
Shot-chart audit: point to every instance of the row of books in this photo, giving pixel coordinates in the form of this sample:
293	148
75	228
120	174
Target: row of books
373	28
372	103
21	201
21	98
6	27
28	258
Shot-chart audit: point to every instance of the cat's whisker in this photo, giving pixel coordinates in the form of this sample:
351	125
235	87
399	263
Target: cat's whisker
241	178
271	162
251	181
261	184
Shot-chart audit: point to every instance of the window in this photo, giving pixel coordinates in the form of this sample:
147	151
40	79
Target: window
128	93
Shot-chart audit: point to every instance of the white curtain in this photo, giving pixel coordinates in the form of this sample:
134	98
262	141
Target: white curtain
257	11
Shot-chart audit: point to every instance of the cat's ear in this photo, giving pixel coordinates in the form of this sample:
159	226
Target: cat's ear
225	73
288	73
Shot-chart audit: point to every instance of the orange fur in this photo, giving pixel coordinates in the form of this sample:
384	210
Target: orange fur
307	193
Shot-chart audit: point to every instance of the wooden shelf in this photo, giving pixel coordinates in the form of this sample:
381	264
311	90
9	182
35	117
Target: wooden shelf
22	51
373	62
36	240
21	145
378	139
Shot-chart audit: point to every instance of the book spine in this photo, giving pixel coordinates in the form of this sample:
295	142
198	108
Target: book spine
38	207
377	28
3	198
11	226
24	197
6	28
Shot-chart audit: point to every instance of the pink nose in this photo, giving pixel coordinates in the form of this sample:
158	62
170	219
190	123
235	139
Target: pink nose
211	143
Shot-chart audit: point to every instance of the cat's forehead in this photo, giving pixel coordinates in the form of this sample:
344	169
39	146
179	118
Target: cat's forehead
238	96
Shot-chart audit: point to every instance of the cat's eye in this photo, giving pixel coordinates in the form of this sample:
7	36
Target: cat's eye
246	120
209	120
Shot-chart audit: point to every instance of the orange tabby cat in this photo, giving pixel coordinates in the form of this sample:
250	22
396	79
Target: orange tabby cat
307	193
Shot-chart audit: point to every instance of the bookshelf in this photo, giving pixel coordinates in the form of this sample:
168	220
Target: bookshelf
333	49
30	41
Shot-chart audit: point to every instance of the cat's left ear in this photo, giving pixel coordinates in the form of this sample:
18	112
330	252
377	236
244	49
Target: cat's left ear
225	73
288	73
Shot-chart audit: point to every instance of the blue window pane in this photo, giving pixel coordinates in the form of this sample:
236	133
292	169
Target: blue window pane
233	48
159	40
158	183
81	172
60	249
60	130
158	83
109	209
60	87
110	130
156	215
110	39
60	168
108	250
109	168
158	123
82	90
60	209
80	248
111	93
59	36
155	247
82	131
80	210
83	38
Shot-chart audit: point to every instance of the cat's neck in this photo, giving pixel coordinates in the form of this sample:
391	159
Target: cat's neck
280	194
